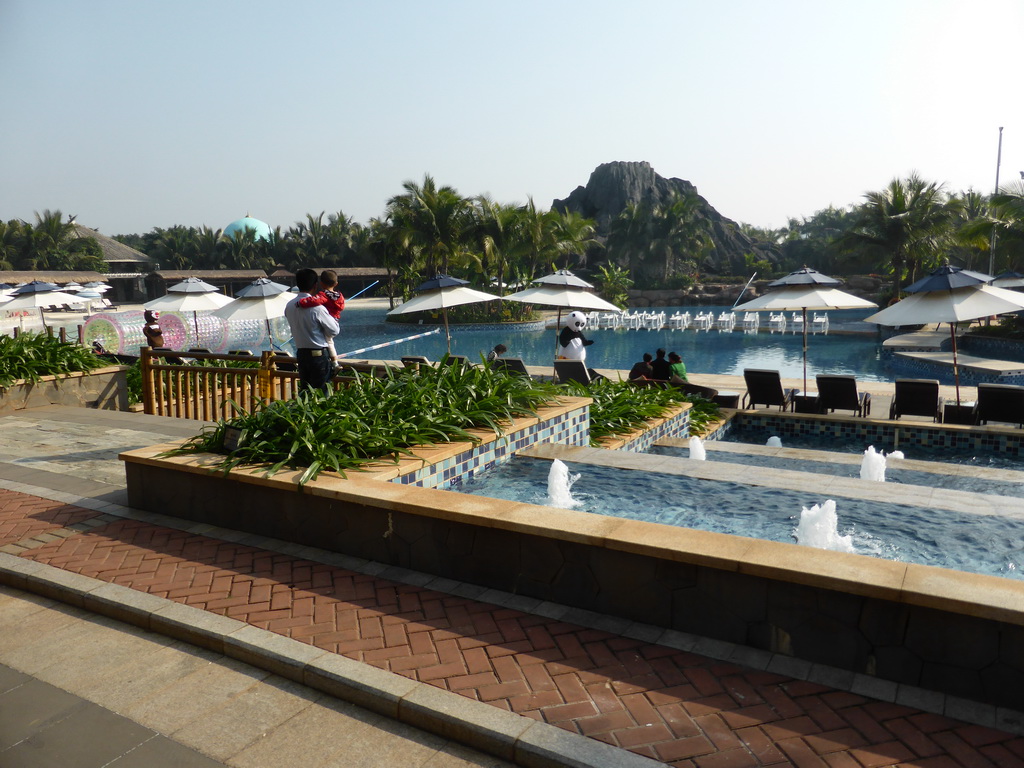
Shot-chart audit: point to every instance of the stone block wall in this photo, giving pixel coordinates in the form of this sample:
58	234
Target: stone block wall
106	389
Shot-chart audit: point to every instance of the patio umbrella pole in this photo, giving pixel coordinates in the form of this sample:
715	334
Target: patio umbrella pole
805	350
447	335
956	368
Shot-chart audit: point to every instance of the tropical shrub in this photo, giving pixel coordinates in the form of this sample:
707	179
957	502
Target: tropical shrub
620	408
31	356
381	419
374	419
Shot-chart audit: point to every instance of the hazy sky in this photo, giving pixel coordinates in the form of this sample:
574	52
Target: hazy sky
142	114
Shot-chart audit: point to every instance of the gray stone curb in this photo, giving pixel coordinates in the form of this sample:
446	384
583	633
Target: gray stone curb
504	734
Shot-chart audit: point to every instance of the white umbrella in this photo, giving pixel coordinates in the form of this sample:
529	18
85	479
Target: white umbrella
803	290
1008	280
951	306
265	308
189	302
32	297
564	290
442	292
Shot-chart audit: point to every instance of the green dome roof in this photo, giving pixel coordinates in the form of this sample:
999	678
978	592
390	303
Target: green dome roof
261	230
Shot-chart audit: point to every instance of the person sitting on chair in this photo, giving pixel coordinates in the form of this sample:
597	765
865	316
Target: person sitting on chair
662	367
643	369
675	363
498	351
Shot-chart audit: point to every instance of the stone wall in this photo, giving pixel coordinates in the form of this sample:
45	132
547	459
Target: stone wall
105	388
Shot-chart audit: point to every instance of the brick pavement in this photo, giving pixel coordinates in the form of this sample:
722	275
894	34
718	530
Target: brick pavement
677	707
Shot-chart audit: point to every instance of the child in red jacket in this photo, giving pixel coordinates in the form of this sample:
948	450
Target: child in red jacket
331	299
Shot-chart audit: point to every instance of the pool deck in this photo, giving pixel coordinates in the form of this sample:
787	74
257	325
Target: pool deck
540	684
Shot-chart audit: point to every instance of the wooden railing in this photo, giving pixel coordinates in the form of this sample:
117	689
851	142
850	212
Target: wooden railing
170	387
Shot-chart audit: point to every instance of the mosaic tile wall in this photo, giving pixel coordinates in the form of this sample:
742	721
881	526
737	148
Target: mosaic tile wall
569	428
677	426
926	369
999	349
884	436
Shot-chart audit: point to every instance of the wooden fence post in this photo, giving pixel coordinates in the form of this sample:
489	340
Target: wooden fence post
264	380
148	393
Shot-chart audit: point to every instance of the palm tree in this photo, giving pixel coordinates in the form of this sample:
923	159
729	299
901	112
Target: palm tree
435	222
905	225
571	234
1007	209
629	237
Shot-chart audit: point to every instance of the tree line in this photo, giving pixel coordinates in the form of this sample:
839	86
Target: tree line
901	231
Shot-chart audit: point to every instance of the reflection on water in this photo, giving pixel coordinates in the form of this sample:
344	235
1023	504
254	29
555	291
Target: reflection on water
706	352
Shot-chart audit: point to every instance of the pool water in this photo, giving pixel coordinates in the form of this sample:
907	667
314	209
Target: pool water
705	352
975	543
760	435
937	479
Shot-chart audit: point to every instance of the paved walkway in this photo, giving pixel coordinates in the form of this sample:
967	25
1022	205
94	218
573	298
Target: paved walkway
661	695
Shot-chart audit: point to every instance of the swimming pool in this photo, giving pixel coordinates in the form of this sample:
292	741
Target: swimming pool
705	352
986	544
893	474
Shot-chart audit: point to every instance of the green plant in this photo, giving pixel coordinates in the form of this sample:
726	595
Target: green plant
374	419
31	356
134	377
620	408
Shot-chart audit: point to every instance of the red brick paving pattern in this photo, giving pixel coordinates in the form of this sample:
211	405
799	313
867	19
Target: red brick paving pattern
677	707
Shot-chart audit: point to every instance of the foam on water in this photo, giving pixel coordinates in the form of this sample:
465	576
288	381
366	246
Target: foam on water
697	450
560	483
872	466
819	527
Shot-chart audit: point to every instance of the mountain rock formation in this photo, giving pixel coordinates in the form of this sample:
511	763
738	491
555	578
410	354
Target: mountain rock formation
613	186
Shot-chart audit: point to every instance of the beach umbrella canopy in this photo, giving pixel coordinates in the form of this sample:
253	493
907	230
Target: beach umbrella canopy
803	290
255	307
805	276
564	290
260	287
953	305
190	301
192	285
36	286
1008	280
947	278
32	296
440	293
565	278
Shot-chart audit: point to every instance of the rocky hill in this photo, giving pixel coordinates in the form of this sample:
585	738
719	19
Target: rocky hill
613	186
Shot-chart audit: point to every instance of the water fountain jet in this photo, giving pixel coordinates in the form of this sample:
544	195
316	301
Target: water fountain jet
560	483
819	527
697	449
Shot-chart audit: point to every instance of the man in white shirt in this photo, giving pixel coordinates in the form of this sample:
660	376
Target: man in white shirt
311	329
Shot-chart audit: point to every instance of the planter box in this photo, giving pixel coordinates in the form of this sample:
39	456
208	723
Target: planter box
104	388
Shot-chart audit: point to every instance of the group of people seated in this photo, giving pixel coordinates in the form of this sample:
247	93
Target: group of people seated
659	368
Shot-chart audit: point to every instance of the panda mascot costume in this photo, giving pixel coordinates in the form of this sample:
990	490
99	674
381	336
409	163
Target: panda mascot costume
572	344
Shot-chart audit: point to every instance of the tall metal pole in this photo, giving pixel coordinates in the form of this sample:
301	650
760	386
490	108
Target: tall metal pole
992	244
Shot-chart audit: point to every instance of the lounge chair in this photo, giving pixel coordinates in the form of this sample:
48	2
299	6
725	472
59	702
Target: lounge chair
708	393
840	393
1000	402
510	365
765	387
574	370
412	360
916	397
455	360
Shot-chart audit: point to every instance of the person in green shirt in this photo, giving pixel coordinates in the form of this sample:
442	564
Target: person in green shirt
675	364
